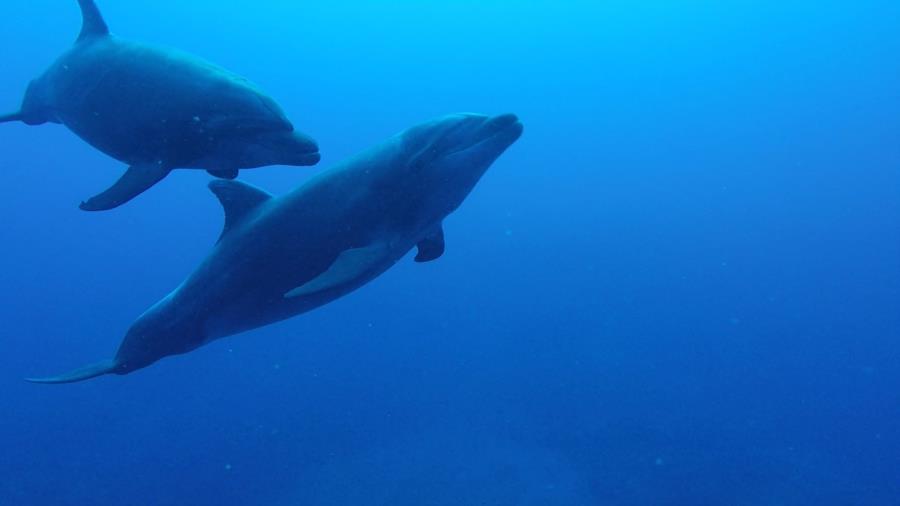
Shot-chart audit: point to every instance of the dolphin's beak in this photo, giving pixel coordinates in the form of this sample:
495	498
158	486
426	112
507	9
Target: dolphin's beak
499	131
503	120
294	149
309	149
504	123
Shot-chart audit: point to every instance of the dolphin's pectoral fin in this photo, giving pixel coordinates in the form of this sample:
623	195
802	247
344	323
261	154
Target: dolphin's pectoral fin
85	373
238	200
92	24
7	118
432	246
136	180
224	173
349	265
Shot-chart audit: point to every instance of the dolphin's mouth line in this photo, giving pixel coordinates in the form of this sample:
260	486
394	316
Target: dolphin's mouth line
312	158
507	124
504	129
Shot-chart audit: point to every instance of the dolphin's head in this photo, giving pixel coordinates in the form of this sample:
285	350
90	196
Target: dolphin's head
249	129
446	157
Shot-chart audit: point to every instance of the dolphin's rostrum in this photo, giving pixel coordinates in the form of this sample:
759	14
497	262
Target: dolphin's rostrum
279	257
157	110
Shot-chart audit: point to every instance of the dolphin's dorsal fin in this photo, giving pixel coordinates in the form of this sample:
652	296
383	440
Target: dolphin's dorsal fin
432	246
238	200
92	24
350	265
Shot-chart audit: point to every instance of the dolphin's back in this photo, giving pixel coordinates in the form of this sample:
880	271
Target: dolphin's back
135	101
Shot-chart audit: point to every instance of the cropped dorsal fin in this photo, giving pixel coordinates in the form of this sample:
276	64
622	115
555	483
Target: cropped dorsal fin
238	200
92	24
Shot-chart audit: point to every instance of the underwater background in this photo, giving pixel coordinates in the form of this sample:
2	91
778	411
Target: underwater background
680	287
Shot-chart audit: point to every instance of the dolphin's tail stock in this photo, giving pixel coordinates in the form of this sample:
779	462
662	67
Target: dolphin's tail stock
7	118
85	373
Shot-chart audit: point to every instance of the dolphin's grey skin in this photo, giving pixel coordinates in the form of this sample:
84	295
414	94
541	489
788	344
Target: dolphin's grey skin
158	109
279	257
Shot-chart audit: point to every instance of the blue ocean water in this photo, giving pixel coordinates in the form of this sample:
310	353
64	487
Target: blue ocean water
680	287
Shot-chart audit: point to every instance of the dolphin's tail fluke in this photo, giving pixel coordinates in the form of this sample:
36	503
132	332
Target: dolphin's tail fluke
6	118
85	373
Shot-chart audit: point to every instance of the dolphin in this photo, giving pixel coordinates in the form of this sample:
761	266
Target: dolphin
158	109
278	257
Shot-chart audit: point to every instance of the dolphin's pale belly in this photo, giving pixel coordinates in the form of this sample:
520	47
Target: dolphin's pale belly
138	103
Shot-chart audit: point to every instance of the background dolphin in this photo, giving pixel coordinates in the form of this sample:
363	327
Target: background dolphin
279	257
158	109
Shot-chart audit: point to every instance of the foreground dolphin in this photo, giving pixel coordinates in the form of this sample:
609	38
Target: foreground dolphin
157	110
279	257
